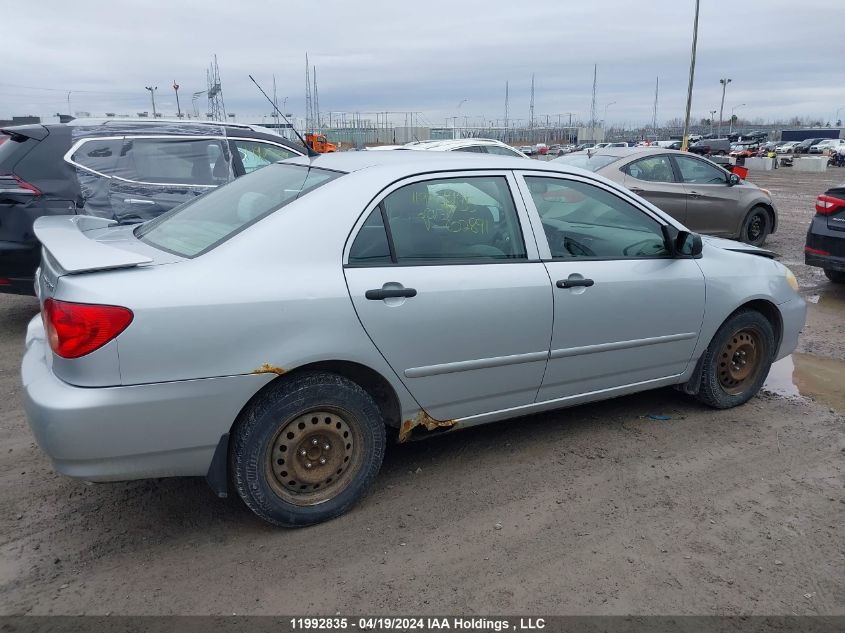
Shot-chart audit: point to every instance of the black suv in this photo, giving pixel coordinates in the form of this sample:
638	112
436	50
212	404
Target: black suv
125	170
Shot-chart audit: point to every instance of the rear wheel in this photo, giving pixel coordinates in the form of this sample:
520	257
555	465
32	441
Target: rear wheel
757	226
737	361
836	276
307	449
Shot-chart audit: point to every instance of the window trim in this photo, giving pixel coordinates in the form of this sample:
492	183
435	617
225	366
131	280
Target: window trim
195	137
523	218
537	221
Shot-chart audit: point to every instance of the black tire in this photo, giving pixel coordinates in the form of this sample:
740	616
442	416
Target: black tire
756	227
348	424
836	276
717	382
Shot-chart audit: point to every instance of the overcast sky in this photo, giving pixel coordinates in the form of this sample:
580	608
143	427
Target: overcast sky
785	57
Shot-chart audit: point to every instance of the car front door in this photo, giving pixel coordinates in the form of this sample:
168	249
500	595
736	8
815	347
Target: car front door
712	204
452	293
654	179
625	311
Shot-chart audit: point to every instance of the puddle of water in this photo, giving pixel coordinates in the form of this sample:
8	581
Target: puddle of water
823	379
830	301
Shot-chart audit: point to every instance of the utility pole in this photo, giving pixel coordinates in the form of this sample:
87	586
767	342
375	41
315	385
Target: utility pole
685	142
733	109
308	106
316	98
724	83
654	111
152	90
178	107
507	107
593	107
712	116
531	113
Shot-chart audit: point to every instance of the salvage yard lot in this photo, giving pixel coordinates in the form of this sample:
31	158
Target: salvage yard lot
598	509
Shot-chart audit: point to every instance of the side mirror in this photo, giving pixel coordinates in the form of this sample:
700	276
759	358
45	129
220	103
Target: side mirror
734	180
688	244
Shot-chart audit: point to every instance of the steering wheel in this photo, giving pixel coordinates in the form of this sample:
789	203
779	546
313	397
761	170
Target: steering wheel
655	244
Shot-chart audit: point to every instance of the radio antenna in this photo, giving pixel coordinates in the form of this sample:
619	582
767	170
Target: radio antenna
308	148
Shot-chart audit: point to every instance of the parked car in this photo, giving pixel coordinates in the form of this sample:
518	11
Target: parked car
693	190
787	147
804	146
474	145
407	291
122	170
528	150
714	146
744	150
825	245
584	146
827	144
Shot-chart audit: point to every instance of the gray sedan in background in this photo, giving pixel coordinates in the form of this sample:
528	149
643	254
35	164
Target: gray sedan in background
693	190
270	334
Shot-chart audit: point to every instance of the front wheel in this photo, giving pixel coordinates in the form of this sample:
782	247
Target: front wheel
737	361
307	449
757	226
836	276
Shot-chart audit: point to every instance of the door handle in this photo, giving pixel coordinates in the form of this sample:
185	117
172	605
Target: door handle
138	201
694	194
377	294
572	283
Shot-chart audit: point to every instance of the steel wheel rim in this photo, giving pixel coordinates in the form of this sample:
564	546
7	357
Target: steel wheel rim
755	227
740	361
314	456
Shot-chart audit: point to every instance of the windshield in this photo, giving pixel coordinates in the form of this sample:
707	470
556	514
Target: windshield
198	226
584	161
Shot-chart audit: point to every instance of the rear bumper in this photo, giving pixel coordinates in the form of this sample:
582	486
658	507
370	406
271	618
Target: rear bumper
130	432
823	238
828	262
17	267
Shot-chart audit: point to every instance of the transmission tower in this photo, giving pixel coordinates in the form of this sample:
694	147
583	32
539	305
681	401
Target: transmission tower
593	106
309	108
531	112
216	108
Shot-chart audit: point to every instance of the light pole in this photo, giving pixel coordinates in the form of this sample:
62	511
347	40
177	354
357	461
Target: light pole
724	83
732	117
836	116
712	116
604	120
685	140
178	108
455	128
152	90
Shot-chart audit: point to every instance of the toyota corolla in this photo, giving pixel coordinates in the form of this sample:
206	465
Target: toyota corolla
272	334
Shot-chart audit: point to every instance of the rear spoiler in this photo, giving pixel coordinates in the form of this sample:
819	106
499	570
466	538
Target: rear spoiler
22	132
63	236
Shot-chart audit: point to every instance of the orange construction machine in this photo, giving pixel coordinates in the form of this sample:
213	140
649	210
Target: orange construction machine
319	144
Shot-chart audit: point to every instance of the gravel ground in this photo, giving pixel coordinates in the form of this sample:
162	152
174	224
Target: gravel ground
593	510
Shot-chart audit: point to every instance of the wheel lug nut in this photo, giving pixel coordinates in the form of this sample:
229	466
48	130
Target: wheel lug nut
314	441
303	452
322	460
308	464
326	447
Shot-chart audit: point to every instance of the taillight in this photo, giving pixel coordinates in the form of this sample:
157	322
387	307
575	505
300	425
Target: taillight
815	251
826	205
15	184
76	329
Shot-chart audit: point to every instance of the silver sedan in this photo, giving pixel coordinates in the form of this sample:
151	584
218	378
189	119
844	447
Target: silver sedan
271	334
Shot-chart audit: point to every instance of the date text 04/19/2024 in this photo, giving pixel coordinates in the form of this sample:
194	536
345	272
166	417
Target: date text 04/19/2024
414	623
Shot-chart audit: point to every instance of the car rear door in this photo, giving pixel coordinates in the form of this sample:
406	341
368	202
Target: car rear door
626	313
713	206
654	178
444	274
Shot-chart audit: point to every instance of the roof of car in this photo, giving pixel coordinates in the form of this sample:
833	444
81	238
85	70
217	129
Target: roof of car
456	142
354	161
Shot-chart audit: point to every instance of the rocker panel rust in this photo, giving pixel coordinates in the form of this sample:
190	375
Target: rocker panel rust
425	420
267	368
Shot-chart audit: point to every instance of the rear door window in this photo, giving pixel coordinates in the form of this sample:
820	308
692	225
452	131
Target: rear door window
198	226
175	161
652	169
